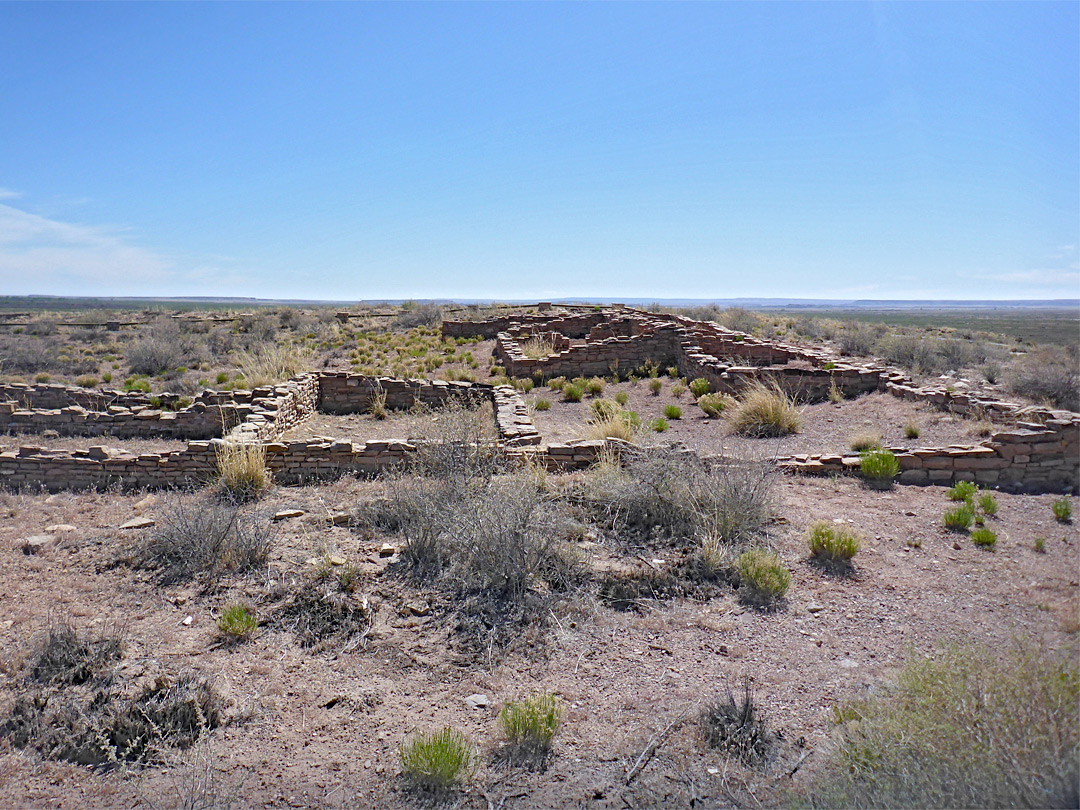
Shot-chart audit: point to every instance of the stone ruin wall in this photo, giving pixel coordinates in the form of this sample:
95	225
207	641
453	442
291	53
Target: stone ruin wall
1041	453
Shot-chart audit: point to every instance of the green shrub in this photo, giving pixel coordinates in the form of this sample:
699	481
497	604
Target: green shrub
622	397
542	404
988	504
222	378
973	727
601	409
678	389
1062	509
655	385
556	383
983	537
524	384
879	467
659	424
762	576
832	544
673	412
962	491
530	725
699	387
134	384
594	387
960	518
237	621
1040	545
865	441
436	760
764	411
712	404
106	377
86	382
573	393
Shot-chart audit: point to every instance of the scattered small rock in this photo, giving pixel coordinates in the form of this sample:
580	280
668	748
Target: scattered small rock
60	527
146	503
387	550
336	560
285	514
909	513
187	621
478	701
340	519
36	542
419	608
956	545
813	607
138	523
847	663
50	434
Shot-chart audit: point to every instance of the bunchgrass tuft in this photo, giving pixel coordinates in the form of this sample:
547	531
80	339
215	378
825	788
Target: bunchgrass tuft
712	404
832	544
237	621
699	387
911	431
972	727
1062	509
659	424
573	392
530	726
988	504
673	412
763	578
879	468
242	472
764	411
865	441
436	760
960	518
984	537
542	404
962	491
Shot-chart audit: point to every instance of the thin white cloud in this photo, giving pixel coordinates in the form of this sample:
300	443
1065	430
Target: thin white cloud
38	254
1046	277
8	194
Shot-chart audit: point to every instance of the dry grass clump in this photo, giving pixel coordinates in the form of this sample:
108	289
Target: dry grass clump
64	657
865	441
242	472
734	726
1048	374
975	727
763	578
203	536
764	411
272	363
537	347
608	420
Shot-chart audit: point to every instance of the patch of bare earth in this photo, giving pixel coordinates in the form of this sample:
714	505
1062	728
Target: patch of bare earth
320	727
826	427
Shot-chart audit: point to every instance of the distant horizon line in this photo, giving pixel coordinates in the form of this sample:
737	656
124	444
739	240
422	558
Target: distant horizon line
596	300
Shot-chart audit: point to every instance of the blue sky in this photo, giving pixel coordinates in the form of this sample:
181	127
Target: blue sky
527	150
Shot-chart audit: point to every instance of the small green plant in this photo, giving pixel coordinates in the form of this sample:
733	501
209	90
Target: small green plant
960	518
659	424
530	725
712	404
525	384
762	576
222	377
436	760
1062	509
699	387
573	393
88	381
879	468
542	404
622	397
836	395
911	431
594	387
673	412
963	491
832	544
655	385
42	378
237	621
673	372
865	441
556	383
106	377
984	538
134	384
1040	545
988	504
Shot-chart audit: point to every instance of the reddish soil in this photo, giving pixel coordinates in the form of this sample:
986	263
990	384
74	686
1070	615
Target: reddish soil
13	441
317	729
